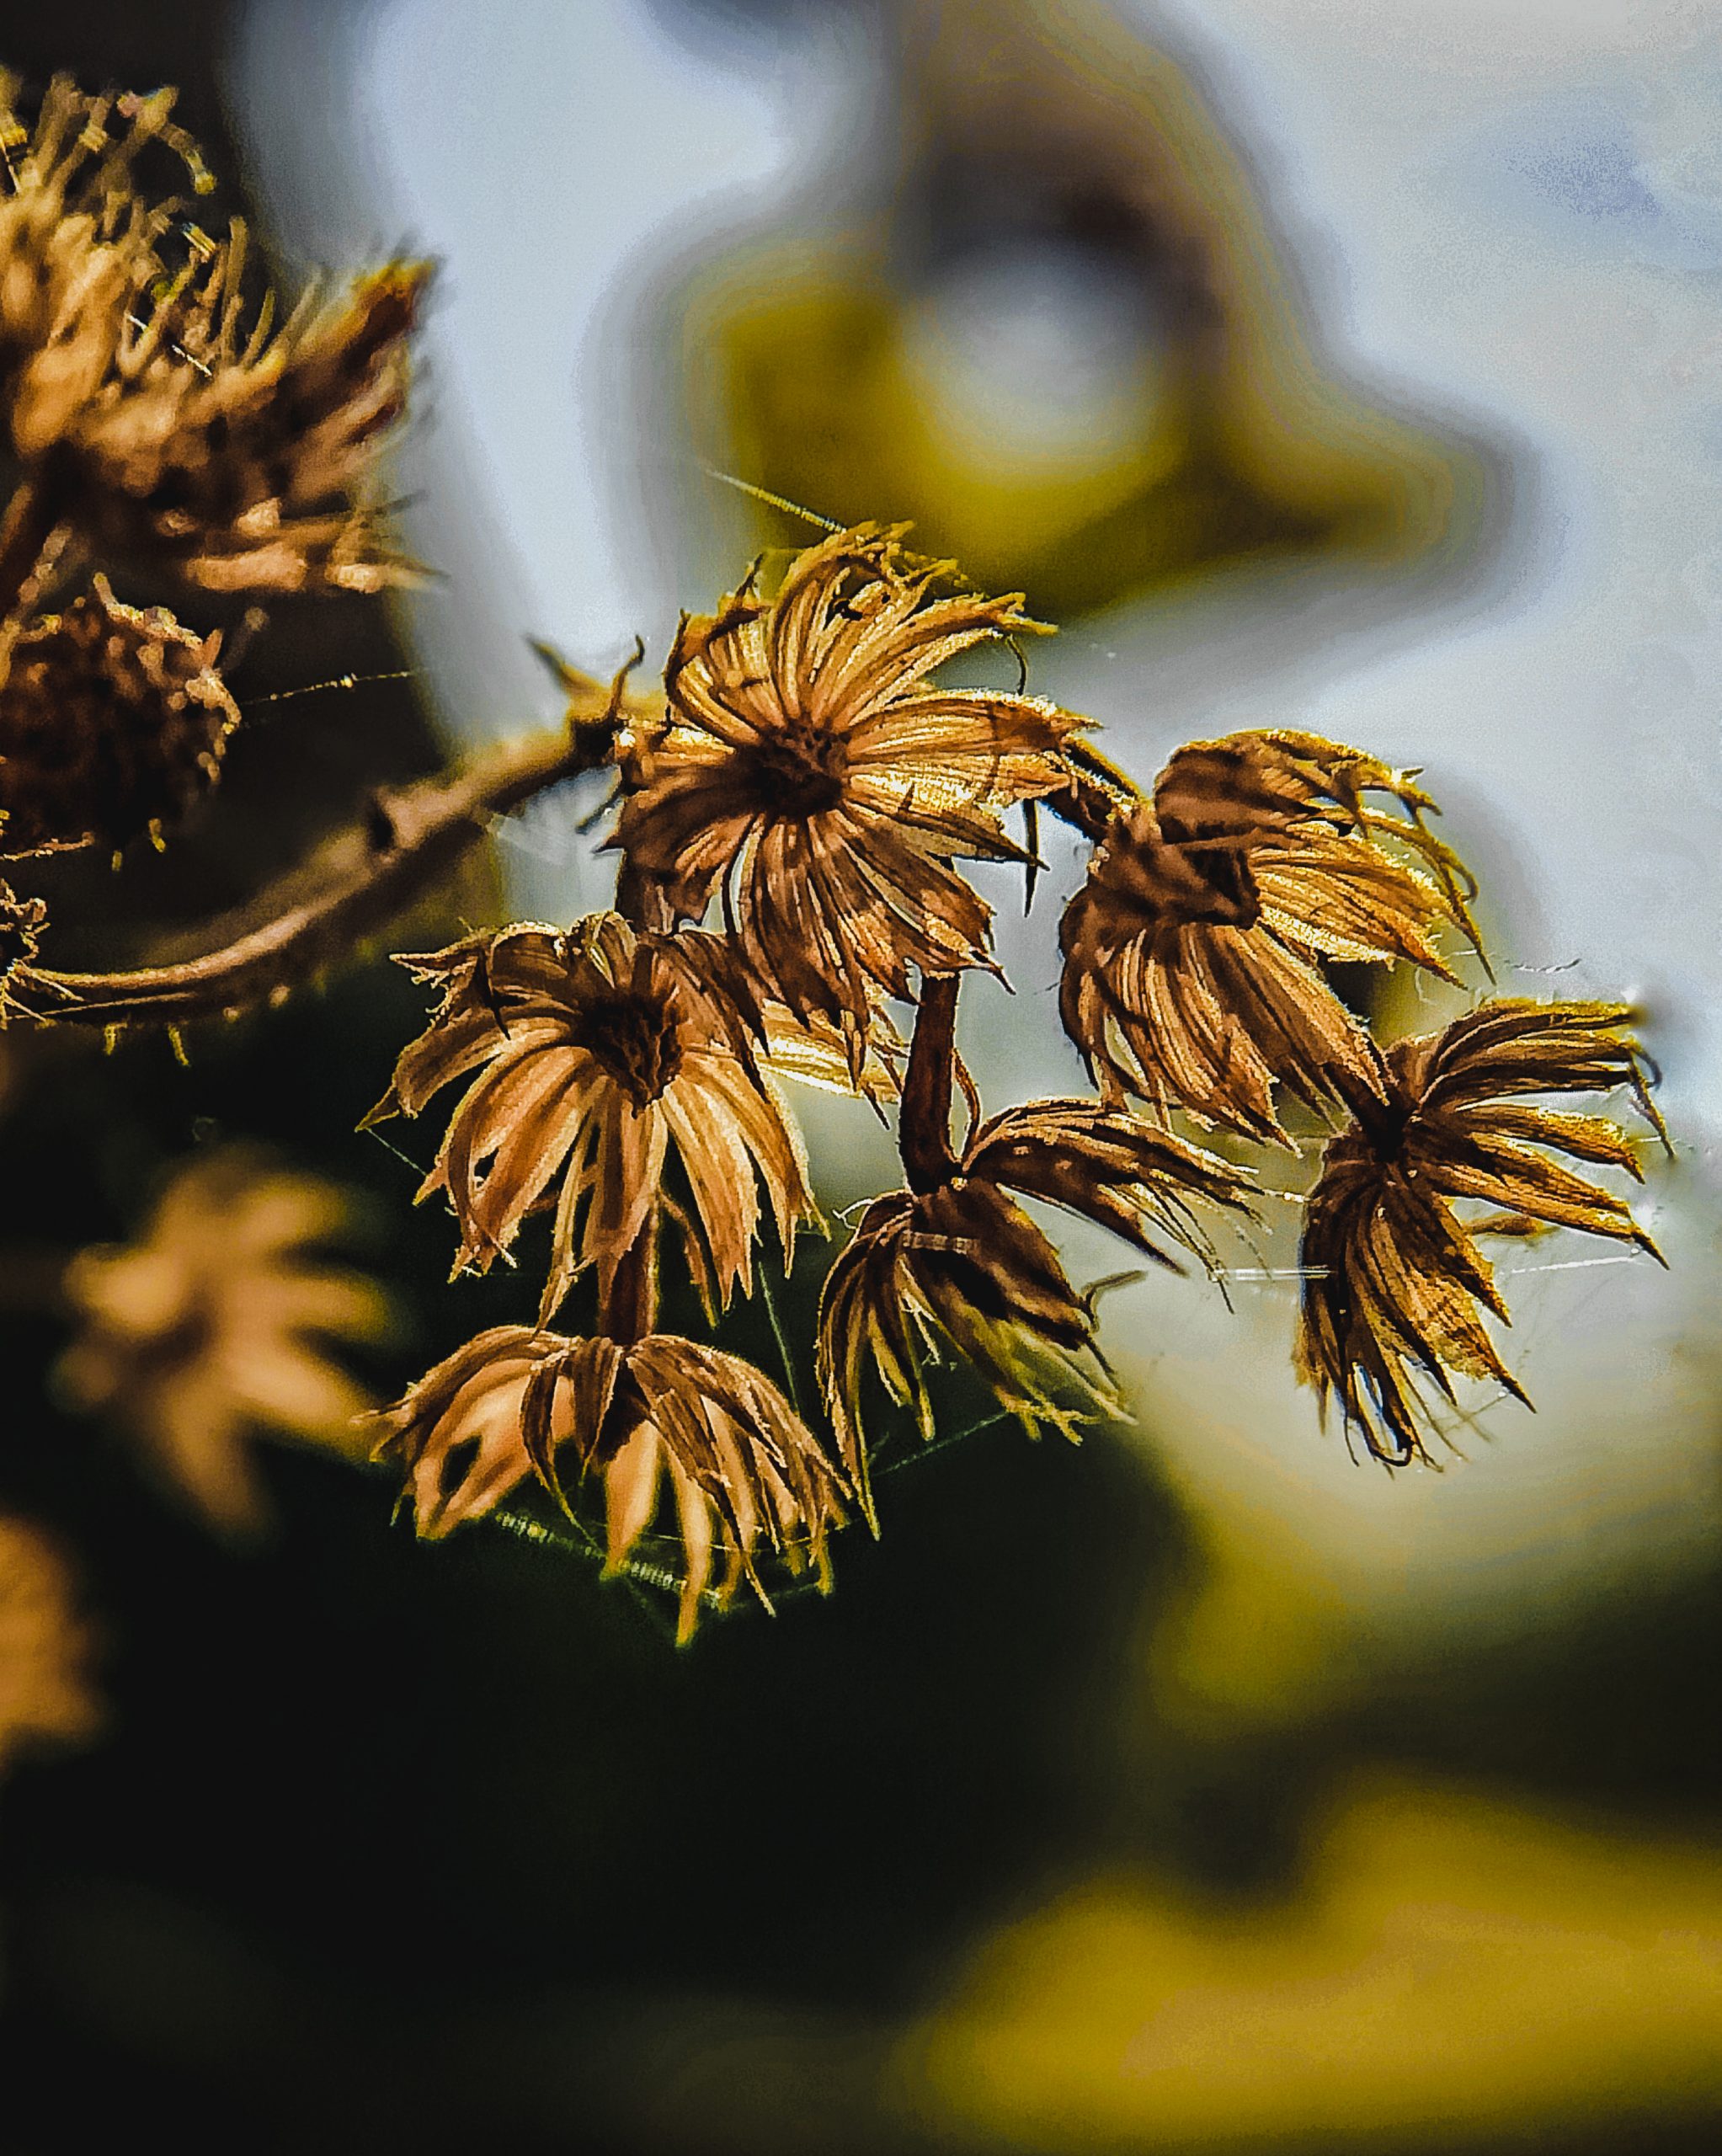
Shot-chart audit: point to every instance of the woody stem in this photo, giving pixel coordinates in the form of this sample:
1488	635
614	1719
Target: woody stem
923	1122
406	842
629	1310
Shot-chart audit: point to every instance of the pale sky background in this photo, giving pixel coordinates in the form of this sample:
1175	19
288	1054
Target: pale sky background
1508	210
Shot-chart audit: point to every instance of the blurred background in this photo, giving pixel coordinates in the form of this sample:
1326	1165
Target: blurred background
1308	364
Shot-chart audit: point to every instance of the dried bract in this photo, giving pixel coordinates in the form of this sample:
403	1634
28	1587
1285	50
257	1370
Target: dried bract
206	1329
964	1261
808	771
112	722
1191	955
596	1053
1395	1282
150	405
744	1474
44	1694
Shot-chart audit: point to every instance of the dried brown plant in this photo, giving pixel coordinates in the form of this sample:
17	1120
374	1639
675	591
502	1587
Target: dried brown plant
1395	1282
45	1696
1192	954
112	724
596	1051
156	413
742	1469
795	810
208	1329
808	772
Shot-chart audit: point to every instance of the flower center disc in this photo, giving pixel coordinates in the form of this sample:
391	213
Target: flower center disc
637	1040
798	770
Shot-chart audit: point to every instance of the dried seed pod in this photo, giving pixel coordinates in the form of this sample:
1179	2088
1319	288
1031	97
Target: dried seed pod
958	1260
595	1057
22	921
112	722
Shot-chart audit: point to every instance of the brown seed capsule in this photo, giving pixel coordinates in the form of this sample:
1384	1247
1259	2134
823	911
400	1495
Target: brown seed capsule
595	1058
112	722
154	404
22	921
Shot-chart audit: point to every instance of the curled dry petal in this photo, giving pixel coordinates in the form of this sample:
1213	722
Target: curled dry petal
661	1419
1395	1283
594	1056
964	1263
209	1327
809	771
1192	954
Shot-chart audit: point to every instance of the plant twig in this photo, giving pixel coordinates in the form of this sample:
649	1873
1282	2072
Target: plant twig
406	842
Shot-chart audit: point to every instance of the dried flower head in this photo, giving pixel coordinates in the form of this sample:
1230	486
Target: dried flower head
808	772
596	1051
112	724
742	1469
141	403
44	1694
204	1329
1191	955
963	1260
1395	1283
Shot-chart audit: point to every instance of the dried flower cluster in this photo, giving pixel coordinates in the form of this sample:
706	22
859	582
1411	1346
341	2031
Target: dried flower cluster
792	825
795	810
159	420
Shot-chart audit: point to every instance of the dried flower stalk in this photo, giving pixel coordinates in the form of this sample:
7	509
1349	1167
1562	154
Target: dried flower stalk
796	809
